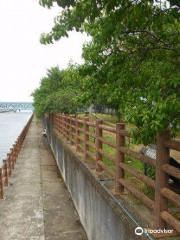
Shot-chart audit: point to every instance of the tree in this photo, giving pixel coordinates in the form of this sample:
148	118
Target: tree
133	60
58	92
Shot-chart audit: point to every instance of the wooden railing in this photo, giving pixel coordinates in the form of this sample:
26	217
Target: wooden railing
9	163
88	138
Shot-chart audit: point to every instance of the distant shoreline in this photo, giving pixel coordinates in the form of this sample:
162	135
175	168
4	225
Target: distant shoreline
15	112
5	111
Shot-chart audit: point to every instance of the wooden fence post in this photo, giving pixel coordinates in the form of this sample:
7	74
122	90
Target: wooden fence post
12	157
59	123
9	164
86	137
1	184
54	123
77	134
98	145
68	128
65	121
63	125
162	179
15	153
52	120
120	142
71	130
5	173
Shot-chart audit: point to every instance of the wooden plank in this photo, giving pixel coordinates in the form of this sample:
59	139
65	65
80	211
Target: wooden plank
91	145
172	144
73	119
172	196
109	129
175	172
138	175
91	134
107	155
81	147
147	201
81	130
80	121
111	144
92	124
107	169
139	156
172	221
91	155
81	139
125	133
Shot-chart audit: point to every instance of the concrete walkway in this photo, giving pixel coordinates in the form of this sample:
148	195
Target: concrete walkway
37	205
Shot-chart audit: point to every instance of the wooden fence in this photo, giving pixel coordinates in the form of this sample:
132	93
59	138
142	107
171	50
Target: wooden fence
85	135
9	163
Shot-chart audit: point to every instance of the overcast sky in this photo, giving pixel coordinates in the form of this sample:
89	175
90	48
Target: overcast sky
23	60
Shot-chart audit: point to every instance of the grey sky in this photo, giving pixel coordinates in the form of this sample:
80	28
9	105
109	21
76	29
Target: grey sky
23	60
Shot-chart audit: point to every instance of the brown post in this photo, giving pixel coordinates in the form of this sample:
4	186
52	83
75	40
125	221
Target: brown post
65	133
53	117
162	179
9	164
1	184
73	129
19	147
15	152
60	123
120	142
63	125
57	120
54	121
98	145
77	134
86	137
70	130
5	173
12	157
66	126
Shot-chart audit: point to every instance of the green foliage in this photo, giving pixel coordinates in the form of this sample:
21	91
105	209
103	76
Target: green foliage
132	63
58	92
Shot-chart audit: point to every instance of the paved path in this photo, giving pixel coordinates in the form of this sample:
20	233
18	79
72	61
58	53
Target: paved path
37	205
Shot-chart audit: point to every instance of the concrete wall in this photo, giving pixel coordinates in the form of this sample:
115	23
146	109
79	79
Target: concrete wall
102	217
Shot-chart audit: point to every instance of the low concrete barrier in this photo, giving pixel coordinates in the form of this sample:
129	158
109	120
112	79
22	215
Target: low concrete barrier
102	216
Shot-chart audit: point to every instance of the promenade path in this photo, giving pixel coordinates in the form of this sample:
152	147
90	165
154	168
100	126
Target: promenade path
37	205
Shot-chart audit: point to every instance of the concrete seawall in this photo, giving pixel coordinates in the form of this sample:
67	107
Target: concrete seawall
101	215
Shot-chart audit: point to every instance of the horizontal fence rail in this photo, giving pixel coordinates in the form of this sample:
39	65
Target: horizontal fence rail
89	138
9	163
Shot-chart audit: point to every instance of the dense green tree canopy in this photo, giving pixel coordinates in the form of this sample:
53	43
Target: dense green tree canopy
133	61
58	92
